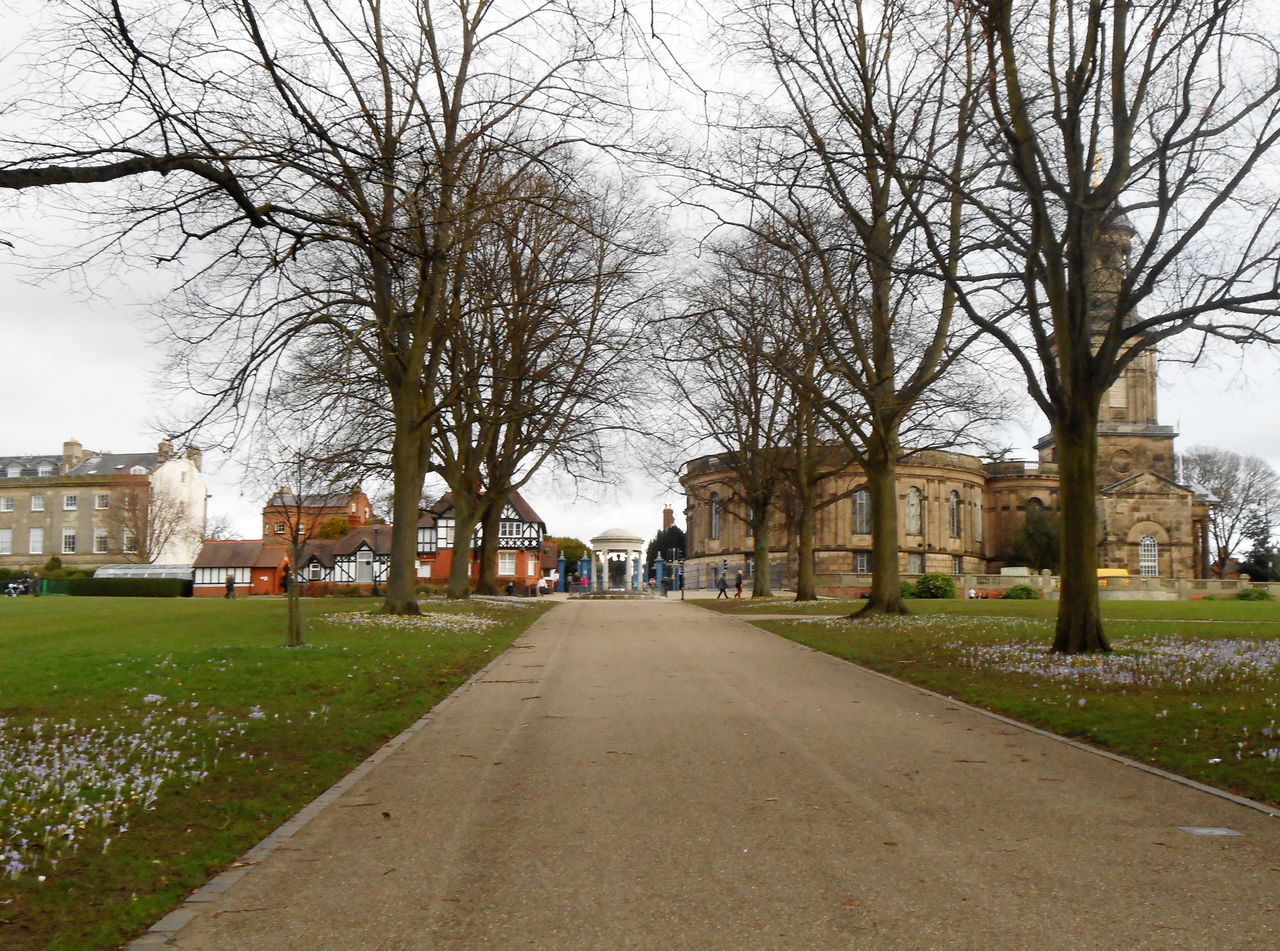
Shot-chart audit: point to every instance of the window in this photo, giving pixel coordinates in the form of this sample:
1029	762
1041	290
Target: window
751	519
1148	556
14	472
100	542
506	563
138	470
130	544
915	512
715	515
45	469
6	541
70	503
508	530
956	513
35	541
957	565
1118	395
314	571
915	563
102	500
861	511
279	529
68	541
6	503
37	503
861	562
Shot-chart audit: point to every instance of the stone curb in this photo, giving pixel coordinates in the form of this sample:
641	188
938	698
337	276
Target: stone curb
159	934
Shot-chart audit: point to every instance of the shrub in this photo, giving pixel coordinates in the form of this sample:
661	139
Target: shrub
350	591
935	586
1021	592
128	587
1255	594
907	588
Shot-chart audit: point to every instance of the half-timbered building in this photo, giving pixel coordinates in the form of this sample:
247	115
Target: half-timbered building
362	557
519	549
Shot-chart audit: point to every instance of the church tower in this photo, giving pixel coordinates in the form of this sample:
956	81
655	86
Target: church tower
1130	439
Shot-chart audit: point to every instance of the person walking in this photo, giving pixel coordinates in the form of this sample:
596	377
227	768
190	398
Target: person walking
231	586
737	585
723	586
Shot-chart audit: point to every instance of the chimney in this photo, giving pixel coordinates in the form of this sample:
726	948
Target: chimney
195	457
164	452
668	517
71	455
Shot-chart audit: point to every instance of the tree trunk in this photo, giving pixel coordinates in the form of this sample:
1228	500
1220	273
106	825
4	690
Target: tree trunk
487	583
1079	628
407	477
465	516
881	467
293	633
760	584
806	585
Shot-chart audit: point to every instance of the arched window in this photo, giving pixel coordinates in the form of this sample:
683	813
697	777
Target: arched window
915	512
955	511
715	514
1148	556
861	511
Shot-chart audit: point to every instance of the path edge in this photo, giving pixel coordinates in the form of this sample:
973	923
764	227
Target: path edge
160	933
1029	728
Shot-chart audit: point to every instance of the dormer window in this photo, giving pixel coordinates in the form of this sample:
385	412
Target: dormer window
14	472
138	470
45	469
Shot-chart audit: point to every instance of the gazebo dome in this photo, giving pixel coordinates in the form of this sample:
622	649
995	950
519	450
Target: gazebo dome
616	537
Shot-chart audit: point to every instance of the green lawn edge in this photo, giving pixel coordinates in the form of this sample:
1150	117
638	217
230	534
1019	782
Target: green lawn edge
80	657
1207	733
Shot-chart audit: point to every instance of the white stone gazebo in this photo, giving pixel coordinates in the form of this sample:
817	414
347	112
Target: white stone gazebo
617	546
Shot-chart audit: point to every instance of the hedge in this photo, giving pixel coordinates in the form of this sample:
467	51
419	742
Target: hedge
124	587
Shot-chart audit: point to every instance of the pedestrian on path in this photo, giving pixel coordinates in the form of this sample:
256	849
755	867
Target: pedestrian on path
231	587
737	586
723	586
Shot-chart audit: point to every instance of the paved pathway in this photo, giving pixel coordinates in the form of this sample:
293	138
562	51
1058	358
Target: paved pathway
652	775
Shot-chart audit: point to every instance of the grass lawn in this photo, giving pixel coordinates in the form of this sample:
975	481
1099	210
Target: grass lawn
145	744
1192	687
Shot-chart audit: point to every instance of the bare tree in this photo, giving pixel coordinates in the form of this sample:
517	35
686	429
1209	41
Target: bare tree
148	519
720	369
549	295
316	167
293	453
1243	486
805	166
219	529
1129	192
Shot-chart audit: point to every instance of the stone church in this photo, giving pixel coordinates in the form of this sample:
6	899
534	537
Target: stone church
961	516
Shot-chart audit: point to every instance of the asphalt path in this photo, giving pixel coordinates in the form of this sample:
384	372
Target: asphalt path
654	775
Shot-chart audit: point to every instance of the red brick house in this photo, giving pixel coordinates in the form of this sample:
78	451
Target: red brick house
519	552
284	508
258	568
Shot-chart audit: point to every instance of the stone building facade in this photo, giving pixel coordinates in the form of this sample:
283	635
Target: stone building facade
96	508
961	516
958	515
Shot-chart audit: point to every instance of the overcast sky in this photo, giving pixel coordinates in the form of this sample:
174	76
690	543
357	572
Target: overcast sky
80	367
